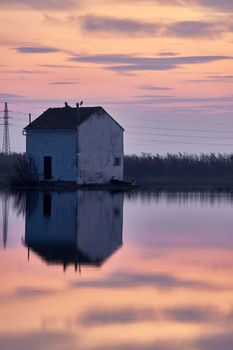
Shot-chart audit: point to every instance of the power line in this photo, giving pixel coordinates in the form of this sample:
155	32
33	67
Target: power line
177	135
179	142
179	129
181	121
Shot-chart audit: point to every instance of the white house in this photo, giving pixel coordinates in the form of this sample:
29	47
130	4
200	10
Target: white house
82	145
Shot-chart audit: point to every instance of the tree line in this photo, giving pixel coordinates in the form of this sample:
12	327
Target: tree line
182	166
8	162
10	166
146	167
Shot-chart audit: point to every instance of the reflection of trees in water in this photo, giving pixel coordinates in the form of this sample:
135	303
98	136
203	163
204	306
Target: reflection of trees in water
181	197
19	202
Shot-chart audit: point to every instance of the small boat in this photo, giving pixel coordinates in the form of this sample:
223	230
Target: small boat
123	183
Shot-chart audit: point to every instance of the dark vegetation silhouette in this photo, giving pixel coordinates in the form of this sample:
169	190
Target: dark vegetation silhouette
14	169
146	169
7	163
180	168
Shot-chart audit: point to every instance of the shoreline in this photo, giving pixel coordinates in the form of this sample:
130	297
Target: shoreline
225	186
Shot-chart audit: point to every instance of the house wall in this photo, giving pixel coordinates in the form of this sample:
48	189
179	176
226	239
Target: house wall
60	145
100	140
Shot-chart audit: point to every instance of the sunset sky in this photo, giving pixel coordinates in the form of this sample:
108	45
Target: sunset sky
162	68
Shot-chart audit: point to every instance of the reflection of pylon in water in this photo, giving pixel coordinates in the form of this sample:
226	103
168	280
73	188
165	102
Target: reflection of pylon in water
5	215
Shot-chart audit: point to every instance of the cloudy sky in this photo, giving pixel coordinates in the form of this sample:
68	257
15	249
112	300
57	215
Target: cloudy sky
162	68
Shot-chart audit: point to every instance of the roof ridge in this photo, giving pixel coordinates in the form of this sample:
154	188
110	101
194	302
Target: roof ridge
65	118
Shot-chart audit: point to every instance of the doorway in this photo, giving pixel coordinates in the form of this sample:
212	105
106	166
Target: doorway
47	168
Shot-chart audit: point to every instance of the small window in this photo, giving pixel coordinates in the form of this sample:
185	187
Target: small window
117	161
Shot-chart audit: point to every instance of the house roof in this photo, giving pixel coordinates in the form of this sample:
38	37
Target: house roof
64	118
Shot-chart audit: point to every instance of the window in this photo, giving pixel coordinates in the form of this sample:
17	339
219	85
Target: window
117	161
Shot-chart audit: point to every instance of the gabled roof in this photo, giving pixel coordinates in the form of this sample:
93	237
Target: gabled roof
64	118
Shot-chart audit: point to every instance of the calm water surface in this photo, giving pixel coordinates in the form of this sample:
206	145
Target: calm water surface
95	270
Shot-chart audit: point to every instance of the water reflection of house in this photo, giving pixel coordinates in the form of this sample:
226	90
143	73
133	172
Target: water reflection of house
79	228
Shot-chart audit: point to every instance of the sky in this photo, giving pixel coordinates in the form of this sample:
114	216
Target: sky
163	69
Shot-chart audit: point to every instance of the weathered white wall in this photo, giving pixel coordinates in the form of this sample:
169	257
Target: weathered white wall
60	145
100	141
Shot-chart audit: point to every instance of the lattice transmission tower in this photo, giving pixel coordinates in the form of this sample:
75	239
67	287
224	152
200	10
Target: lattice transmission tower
6	135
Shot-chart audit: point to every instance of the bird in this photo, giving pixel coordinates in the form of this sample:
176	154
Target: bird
81	103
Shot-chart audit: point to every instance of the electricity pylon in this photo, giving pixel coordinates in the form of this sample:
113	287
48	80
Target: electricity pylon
6	135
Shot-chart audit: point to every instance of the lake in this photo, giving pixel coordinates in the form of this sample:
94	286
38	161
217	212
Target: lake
100	270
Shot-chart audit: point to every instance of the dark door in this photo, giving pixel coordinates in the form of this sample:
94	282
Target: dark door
47	168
